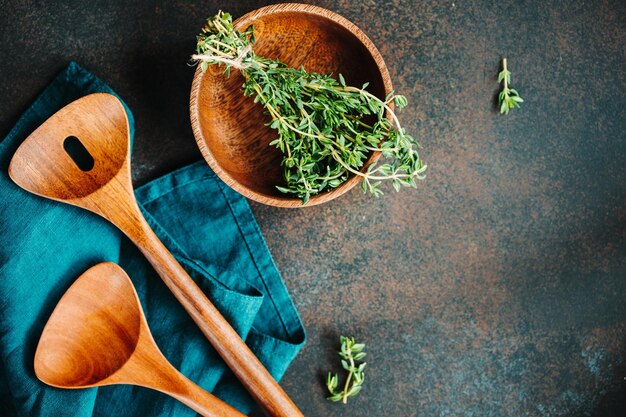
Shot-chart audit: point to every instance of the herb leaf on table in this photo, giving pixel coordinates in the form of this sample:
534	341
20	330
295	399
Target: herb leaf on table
351	353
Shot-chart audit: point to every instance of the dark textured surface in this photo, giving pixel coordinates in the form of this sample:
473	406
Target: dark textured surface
498	288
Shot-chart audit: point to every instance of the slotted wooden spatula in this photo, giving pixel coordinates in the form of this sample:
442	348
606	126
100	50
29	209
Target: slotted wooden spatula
81	156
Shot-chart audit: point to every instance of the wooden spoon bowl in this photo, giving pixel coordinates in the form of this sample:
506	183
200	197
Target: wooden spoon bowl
92	332
98	335
229	127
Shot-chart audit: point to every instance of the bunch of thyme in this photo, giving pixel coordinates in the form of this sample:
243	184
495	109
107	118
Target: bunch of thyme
509	98
350	353
324	128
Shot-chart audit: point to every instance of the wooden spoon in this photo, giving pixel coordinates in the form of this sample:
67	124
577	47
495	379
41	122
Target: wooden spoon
97	335
81	156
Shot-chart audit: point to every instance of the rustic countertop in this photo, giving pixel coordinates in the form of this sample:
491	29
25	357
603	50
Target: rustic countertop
498	287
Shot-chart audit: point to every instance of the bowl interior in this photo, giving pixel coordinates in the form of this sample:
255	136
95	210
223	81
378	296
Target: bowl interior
230	127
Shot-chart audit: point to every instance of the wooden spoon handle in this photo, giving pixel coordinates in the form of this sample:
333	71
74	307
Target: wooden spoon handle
198	399
246	366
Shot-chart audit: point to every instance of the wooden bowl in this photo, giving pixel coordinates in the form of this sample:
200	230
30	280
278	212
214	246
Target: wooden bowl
229	127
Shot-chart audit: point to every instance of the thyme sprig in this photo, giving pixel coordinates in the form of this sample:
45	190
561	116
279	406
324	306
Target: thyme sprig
351	352
509	98
326	128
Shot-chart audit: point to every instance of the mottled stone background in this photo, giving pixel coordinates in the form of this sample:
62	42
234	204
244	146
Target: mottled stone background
498	287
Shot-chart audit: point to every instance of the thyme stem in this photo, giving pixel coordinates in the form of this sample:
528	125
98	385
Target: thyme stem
347	385
509	98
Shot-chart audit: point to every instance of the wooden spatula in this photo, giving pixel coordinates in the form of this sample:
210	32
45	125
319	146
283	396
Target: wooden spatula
97	335
81	156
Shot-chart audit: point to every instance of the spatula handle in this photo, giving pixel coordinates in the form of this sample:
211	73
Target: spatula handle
213	325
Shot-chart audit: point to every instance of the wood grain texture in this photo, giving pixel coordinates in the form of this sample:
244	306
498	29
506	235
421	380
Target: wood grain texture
42	166
229	127
98	335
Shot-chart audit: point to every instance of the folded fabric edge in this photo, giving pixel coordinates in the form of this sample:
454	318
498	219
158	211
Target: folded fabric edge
276	290
250	231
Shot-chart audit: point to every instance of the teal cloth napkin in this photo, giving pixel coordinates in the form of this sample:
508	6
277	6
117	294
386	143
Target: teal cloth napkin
46	245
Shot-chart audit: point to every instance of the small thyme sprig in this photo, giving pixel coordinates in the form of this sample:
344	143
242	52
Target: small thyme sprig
326	128
350	353
509	98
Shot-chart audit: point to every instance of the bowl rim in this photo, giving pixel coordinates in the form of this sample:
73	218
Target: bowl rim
276	201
